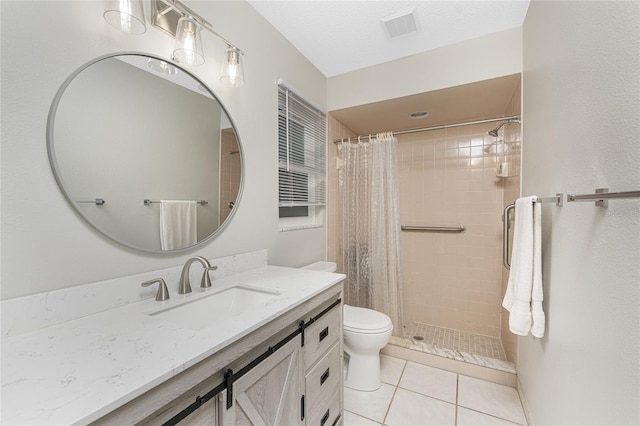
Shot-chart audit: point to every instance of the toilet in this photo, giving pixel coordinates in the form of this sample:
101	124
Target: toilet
365	332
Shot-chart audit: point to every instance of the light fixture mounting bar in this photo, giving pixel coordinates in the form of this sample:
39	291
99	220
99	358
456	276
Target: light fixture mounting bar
165	10
165	15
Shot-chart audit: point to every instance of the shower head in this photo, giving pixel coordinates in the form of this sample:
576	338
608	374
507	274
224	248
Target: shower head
494	132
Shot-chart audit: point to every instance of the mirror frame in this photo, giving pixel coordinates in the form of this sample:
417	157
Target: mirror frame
58	176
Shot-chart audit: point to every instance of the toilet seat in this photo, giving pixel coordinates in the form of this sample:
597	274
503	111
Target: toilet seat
365	321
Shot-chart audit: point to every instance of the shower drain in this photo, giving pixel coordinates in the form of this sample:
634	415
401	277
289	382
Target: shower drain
418	338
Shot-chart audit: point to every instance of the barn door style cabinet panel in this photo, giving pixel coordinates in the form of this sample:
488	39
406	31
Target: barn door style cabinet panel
300	384
269	394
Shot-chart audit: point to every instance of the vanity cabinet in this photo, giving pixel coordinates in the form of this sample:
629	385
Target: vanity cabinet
299	382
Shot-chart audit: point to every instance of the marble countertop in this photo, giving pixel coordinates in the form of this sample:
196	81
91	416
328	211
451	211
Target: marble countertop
76	371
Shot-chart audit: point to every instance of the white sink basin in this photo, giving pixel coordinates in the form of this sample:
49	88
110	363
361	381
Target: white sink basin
200	313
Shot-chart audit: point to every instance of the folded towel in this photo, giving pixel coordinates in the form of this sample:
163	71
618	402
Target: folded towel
523	298
178	223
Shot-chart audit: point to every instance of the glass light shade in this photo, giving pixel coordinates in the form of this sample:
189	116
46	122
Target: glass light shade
161	67
125	15
188	47
232	72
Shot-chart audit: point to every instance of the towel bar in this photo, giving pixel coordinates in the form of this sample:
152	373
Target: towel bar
602	195
147	202
97	202
505	235
506	221
434	228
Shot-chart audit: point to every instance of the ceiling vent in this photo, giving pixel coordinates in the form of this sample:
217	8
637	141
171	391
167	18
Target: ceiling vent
400	23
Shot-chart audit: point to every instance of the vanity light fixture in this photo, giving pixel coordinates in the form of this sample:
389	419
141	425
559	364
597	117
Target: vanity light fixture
125	15
178	21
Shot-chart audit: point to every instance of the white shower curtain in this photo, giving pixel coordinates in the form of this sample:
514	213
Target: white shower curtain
371	226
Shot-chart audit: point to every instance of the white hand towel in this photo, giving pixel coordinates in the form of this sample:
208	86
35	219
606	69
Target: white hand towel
178	221
523	298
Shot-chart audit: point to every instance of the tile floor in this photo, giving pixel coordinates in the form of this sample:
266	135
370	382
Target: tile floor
414	395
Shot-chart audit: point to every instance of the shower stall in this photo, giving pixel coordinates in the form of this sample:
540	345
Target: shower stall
454	181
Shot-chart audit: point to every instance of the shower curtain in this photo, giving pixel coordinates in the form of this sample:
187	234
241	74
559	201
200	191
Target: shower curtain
368	182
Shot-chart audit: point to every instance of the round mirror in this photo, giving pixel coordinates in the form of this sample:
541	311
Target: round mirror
145	153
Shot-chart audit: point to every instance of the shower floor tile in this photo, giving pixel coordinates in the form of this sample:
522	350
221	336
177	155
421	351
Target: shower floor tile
454	344
455	339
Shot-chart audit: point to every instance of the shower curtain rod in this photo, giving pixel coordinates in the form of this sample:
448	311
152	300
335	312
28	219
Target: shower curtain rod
426	129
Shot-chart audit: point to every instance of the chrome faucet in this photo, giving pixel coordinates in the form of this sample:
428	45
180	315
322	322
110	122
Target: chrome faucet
185	286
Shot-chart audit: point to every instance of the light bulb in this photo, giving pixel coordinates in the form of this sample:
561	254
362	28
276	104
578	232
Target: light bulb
232	72
188	47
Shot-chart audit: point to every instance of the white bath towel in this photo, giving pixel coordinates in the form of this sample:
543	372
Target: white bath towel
178	221
523	298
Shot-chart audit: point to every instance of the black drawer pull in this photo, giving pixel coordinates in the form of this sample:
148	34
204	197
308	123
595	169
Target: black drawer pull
324	418
324	377
324	333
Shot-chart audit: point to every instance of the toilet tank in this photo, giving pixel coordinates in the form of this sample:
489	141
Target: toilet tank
321	266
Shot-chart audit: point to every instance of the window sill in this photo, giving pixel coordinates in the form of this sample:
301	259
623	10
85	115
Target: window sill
287	228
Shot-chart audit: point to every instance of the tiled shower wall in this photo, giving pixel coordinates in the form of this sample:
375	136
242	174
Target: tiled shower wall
448	178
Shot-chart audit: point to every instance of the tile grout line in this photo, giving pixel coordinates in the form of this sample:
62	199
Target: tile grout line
360	415
394	392
492	415
457	397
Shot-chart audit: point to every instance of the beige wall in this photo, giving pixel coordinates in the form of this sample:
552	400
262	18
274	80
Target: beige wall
482	58
581	131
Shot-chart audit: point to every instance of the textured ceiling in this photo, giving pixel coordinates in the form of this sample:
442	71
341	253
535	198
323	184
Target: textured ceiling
341	36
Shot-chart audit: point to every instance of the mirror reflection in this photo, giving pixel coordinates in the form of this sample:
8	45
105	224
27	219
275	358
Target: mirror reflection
154	144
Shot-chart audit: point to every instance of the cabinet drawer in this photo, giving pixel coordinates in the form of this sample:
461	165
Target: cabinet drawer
323	379
327	414
321	335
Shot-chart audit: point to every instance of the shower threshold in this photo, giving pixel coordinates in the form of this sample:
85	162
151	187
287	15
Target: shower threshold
454	344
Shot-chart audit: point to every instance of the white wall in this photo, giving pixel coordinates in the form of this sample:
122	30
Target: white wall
482	58
581	131
45	246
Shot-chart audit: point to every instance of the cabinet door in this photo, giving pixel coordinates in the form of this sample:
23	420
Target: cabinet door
206	415
269	394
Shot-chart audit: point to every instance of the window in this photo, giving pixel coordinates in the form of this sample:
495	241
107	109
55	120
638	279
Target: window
301	158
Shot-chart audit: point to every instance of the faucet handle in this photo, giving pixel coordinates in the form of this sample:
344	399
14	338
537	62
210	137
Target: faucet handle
206	279
163	291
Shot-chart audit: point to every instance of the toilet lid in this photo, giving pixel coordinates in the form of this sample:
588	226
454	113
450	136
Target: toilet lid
365	320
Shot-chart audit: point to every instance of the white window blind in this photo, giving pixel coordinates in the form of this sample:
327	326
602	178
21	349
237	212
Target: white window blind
301	151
